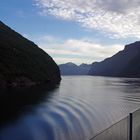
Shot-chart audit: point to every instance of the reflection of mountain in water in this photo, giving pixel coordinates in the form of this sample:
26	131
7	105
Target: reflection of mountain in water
16	102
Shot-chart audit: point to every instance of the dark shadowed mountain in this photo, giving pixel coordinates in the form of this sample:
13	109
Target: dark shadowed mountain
22	62
125	63
73	69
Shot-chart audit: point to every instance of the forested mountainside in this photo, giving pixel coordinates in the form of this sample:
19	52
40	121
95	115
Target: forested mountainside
22	62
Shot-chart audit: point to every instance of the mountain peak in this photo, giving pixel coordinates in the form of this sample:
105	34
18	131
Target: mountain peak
131	46
71	64
123	64
73	69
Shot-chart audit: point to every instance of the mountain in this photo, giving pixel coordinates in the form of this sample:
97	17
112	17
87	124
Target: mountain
23	63
125	63
73	69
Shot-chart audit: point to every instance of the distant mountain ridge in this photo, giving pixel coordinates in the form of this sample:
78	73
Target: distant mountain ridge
23	63
125	63
73	69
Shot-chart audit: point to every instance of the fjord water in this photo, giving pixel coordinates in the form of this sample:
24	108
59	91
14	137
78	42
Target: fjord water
79	108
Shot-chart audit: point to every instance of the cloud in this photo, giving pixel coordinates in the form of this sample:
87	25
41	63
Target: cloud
77	61
116	18
77	50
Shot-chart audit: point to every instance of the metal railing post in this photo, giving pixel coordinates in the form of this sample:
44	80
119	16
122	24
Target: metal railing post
130	126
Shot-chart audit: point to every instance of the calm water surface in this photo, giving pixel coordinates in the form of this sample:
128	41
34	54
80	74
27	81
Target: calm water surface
81	107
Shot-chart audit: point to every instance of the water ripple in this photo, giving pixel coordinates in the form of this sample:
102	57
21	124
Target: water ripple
78	110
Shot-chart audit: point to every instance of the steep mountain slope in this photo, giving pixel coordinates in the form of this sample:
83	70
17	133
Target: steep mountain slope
22	62
125	63
73	69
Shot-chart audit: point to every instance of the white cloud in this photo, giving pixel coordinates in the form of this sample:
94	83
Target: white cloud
77	61
47	39
117	18
77	51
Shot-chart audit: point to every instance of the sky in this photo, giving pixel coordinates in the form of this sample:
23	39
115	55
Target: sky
79	31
